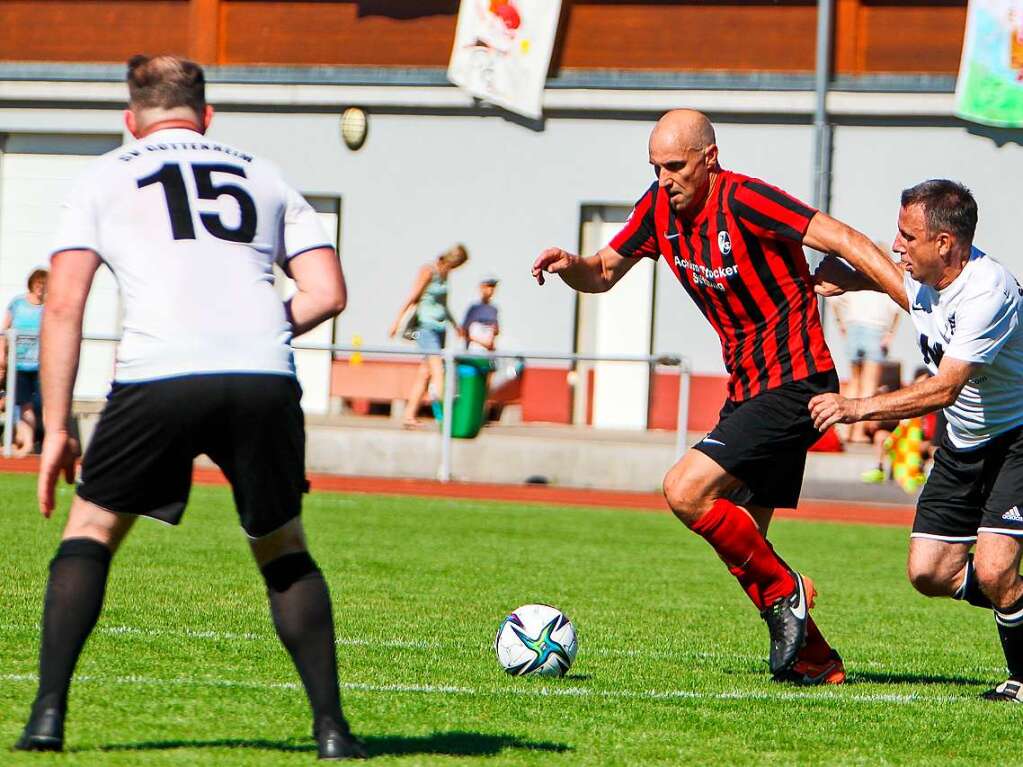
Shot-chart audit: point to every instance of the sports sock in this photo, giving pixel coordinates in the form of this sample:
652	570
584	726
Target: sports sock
1010	630
74	597
738	541
300	606
969	590
816	649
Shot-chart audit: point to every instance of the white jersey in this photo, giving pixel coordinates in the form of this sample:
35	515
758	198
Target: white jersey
975	319
191	229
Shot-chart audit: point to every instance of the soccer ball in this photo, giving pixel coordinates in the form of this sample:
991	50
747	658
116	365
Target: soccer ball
536	639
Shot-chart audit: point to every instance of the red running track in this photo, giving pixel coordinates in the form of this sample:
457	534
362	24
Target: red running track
827	511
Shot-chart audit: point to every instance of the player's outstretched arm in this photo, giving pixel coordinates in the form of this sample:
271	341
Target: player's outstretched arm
829	235
321	293
835	277
71	273
920	398
594	274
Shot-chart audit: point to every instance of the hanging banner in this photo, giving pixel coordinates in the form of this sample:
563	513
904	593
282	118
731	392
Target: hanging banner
990	86
503	50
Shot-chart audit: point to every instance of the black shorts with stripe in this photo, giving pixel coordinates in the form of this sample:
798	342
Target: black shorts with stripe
763	440
973	490
251	425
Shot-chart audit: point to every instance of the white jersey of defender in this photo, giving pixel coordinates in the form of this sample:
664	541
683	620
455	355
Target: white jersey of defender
191	229
975	319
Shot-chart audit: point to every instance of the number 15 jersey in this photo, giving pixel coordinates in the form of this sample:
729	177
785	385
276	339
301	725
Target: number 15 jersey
191	228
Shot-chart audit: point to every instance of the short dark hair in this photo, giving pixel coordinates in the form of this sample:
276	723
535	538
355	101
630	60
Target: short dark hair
166	82
37	274
948	207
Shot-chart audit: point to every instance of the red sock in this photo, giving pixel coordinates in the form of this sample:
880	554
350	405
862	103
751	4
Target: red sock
737	540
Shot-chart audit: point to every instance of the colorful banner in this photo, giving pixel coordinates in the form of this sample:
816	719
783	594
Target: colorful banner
990	86
503	50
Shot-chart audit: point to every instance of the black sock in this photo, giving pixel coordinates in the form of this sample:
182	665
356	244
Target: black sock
1010	630
300	605
74	596
969	591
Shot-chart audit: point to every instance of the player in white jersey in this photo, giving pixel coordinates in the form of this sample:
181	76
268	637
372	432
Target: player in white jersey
191	229
967	309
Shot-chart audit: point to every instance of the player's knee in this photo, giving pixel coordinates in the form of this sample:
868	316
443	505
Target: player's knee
928	580
997	582
88	521
686	499
282	573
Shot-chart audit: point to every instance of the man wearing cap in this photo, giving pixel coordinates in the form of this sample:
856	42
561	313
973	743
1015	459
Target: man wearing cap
480	323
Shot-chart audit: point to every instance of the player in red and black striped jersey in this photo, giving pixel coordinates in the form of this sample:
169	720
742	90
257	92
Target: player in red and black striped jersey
735	245
741	260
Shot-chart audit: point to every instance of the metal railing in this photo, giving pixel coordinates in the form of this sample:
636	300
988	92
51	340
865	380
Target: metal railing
450	357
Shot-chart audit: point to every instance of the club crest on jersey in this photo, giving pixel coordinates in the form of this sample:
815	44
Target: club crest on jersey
724	243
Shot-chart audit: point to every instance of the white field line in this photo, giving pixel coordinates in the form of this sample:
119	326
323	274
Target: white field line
220	635
822	695
415	644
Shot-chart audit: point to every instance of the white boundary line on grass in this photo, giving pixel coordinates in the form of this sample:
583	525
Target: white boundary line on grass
422	644
405	644
820	695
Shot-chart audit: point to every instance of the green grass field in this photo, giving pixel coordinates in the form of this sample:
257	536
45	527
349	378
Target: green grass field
184	668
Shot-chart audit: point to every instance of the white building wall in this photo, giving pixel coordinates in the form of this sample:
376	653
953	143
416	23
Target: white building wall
425	181
422	183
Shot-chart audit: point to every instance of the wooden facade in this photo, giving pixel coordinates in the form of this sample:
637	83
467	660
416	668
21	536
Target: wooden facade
871	36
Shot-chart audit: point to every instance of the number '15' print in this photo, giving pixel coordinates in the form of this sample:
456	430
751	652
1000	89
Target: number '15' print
170	177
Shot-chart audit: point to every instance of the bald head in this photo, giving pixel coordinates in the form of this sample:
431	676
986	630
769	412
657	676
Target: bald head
684	156
684	129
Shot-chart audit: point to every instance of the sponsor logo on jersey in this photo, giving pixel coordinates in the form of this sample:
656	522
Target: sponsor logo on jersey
704	275
724	243
952	323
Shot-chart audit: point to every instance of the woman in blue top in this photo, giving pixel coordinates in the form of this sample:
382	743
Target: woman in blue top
25	314
429	296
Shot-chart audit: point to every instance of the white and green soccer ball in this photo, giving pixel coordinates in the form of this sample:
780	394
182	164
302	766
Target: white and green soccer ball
536	639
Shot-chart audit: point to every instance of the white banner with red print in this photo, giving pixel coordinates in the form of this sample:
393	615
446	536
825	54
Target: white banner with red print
503	50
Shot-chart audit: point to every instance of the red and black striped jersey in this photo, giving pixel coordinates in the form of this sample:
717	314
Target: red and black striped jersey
741	260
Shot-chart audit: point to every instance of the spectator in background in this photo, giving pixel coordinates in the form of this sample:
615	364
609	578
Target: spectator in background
867	321
480	324
25	314
423	318
881	434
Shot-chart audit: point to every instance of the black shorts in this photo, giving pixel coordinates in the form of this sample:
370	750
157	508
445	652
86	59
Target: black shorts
763	440
971	491
26	388
140	458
